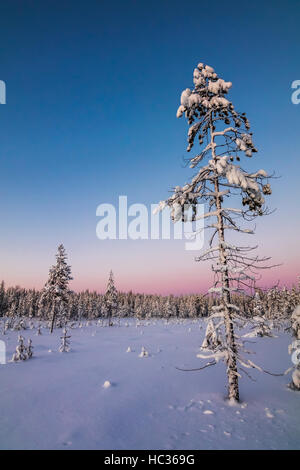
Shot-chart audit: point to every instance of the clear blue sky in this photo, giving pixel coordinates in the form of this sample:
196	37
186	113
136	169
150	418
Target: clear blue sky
92	92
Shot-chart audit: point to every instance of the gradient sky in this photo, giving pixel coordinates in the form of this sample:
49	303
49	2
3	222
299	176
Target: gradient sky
92	92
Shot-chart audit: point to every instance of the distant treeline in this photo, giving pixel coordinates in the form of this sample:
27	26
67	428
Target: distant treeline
19	302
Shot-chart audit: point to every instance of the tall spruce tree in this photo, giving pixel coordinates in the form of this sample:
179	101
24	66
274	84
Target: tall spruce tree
224	140
56	291
111	298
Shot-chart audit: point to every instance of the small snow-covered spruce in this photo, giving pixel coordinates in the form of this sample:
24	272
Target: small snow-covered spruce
224	139
211	340
143	352
260	328
294	350
6	326
65	343
29	349
21	351
111	299
295	384
56	291
295	322
20	324
260	324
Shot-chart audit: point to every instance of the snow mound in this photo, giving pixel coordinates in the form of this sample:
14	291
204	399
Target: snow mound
106	384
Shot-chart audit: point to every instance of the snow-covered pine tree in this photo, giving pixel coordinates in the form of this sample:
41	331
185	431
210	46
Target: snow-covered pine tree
295	322
21	351
139	307
56	291
12	311
168	308
65	343
111	298
261	325
294	349
144	352
211	340
224	138
29	349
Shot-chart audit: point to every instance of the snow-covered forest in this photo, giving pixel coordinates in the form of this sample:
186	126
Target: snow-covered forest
21	305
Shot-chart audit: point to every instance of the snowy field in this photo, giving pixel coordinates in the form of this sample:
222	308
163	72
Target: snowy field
57	400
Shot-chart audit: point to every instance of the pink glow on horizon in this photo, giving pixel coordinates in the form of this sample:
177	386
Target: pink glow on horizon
161	267
192	280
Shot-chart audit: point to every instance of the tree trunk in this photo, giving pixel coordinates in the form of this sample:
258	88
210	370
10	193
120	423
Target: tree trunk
109	316
233	386
53	317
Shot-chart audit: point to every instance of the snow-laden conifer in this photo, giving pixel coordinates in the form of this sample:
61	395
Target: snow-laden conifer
211	340
295	322
56	291
259	323
225	144
294	349
111	299
144	352
21	350
65	343
29	349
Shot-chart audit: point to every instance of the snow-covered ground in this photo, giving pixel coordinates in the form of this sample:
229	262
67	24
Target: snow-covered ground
59	401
